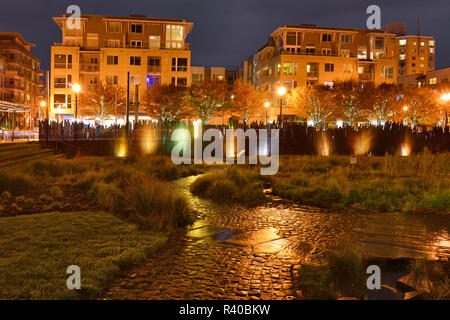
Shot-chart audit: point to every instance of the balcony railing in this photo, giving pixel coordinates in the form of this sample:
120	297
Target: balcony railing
154	69
89	68
366	76
312	74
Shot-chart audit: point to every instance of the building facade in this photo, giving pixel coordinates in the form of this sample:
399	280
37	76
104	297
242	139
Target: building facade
200	74
416	54
107	48
432	77
309	55
20	74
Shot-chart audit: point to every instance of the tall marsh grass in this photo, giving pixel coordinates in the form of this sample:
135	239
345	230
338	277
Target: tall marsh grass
391	183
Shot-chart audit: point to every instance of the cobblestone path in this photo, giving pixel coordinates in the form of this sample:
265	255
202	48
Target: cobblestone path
237	253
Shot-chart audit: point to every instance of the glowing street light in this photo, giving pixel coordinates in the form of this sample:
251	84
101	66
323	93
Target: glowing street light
405	108
43	104
281	92
266	105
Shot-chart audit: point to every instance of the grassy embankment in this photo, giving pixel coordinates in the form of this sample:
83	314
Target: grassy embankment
391	183
96	213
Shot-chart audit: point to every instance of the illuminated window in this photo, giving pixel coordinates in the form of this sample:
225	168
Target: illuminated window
403	57
402	42
345	53
288	68
348	68
174	36
154	42
431	43
433	81
422	44
362	52
387	72
326	52
432	50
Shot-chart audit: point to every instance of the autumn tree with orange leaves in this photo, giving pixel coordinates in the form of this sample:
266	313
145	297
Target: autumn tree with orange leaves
167	103
247	102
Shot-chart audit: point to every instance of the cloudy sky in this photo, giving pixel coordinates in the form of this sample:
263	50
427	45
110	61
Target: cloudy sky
228	31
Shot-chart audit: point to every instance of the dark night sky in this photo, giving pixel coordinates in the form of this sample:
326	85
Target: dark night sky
228	31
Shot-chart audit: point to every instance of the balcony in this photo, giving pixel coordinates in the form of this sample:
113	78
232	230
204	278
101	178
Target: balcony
366	76
153	69
89	68
312	74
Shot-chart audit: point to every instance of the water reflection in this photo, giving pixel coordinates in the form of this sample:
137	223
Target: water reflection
290	229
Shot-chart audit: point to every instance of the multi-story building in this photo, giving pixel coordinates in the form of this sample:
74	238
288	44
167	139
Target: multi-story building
107	48
432	77
20	74
3	82
415	53
308	55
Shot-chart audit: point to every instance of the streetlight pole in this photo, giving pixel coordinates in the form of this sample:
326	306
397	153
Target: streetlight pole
267	105
281	92
76	88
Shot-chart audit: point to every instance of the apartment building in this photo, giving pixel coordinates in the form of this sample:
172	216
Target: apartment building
20	74
432	77
107	48
3	82
416	53
300	55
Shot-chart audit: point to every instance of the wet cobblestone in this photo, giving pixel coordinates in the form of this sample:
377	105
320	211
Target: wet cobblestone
236	253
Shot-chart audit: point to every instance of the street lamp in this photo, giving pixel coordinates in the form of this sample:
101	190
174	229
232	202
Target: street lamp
76	88
405	108
281	92
446	97
266	105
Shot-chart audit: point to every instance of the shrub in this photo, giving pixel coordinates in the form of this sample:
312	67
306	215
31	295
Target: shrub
433	277
158	207
241	185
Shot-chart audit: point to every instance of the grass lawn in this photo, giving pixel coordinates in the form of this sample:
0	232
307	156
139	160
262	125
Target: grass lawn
35	251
